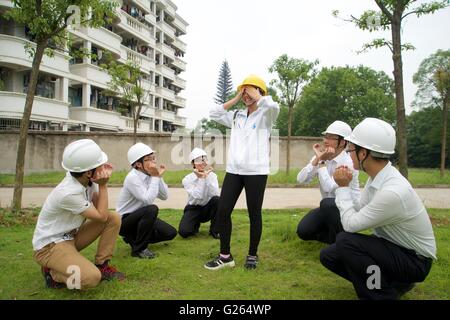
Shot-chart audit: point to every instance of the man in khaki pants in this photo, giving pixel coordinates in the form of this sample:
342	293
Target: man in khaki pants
62	229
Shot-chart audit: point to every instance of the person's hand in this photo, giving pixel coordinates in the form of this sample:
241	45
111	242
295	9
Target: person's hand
162	169
328	153
151	169
342	176
253	93
102	174
227	105
200	174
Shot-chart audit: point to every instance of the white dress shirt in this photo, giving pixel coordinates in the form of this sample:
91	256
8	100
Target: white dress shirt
200	191
61	213
249	148
393	209
326	181
140	190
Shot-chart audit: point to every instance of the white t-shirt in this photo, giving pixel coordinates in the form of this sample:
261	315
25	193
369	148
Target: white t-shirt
61	215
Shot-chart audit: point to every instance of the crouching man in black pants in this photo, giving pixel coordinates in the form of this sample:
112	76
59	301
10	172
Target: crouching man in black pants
387	264
324	223
203	192
143	184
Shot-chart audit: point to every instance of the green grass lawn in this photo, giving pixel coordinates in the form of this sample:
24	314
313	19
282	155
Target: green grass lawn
289	268
418	177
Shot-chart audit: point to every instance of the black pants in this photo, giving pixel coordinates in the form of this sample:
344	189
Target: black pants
231	189
194	215
143	226
353	253
321	224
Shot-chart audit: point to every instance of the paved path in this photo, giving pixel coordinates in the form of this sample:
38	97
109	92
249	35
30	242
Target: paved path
275	198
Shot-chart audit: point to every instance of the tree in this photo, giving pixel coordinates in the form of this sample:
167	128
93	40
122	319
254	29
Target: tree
392	14
47	22
127	83
224	84
424	137
433	80
293	74
349	94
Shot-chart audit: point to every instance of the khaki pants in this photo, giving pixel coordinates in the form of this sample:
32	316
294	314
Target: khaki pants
59	257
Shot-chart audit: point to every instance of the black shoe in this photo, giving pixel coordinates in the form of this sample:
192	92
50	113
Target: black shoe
215	235
219	263
402	288
251	262
144	254
49	282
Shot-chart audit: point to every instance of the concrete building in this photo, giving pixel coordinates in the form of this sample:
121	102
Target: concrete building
72	94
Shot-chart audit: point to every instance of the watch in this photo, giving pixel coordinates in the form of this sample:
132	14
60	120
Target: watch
321	162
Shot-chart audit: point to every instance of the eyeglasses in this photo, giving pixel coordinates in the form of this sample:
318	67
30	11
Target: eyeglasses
200	160
330	138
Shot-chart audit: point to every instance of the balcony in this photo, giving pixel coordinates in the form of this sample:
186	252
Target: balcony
13	103
179	102
180	45
143	4
147	64
151	18
180	121
127	124
101	37
147	85
166	50
166	93
180	83
165	71
180	24
12	52
168	30
148	112
94	74
98	118
136	28
180	64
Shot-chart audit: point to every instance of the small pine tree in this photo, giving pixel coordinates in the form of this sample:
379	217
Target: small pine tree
224	84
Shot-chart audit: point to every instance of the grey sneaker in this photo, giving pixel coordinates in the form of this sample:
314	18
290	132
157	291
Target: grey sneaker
251	262
144	254
219	263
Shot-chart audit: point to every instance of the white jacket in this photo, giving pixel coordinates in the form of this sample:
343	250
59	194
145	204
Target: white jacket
249	149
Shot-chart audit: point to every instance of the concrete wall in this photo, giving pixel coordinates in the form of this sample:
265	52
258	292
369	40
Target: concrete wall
44	149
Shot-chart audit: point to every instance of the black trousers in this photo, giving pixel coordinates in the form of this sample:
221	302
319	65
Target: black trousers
321	224
353	253
193	216
143	226
231	189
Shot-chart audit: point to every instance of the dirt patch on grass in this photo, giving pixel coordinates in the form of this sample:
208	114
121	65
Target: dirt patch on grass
440	221
23	217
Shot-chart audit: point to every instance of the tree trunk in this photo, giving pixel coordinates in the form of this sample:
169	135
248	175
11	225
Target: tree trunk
135	130
444	135
22	146
288	146
399	97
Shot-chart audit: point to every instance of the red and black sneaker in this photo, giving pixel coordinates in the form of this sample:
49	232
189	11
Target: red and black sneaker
110	272
49	282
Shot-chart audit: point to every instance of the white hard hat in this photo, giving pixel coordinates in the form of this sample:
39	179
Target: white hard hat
138	151
83	155
340	128
197	152
375	135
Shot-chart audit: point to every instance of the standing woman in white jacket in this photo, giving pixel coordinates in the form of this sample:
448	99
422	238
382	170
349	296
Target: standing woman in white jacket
247	164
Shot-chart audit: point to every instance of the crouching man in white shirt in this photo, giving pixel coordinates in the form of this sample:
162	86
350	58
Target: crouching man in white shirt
143	184
324	223
400	253
62	229
202	188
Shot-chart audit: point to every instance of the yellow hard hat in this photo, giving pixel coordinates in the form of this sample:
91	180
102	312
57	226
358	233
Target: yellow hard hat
256	81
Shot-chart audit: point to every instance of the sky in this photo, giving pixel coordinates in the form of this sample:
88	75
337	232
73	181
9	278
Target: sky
251	34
